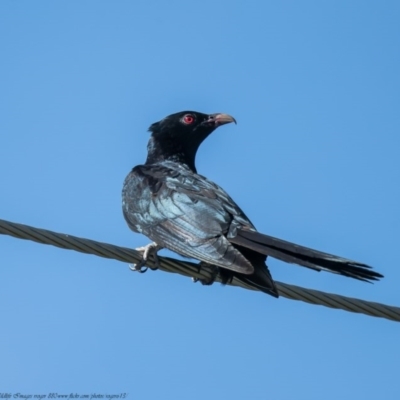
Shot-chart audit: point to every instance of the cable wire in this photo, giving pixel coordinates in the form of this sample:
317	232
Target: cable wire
193	270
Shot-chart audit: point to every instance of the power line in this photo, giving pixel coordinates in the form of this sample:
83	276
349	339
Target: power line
192	270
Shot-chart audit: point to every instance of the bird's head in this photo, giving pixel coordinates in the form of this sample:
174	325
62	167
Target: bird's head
178	136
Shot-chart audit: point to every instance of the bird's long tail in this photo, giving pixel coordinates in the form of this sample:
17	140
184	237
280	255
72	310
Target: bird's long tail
306	257
261	279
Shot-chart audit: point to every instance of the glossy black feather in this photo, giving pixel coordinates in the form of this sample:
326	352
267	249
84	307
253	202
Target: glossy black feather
166	200
304	256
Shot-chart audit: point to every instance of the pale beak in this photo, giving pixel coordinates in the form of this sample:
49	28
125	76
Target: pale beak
220	119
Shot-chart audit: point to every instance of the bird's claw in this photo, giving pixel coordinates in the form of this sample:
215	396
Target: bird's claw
138	268
150	249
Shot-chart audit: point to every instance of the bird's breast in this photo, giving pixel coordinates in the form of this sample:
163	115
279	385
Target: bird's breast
136	201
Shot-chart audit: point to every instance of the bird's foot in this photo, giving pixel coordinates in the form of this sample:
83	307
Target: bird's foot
214	273
150	249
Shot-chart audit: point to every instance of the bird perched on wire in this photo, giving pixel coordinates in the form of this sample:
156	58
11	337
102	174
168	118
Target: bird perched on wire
178	209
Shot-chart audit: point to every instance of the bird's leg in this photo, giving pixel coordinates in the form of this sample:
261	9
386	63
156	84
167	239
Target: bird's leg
150	249
214	274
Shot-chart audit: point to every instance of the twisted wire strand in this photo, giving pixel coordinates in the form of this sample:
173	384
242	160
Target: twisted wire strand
191	269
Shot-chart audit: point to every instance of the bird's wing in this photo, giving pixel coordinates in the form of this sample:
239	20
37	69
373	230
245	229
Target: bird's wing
186	213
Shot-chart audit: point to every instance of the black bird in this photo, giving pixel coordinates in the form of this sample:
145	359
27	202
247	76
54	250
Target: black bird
169	202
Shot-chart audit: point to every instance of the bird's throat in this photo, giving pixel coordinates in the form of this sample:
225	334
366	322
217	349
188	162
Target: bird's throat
170	150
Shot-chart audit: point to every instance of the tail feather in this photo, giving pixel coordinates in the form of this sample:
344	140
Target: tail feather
261	279
304	256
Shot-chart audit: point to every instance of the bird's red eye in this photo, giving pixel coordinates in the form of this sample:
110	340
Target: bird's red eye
188	119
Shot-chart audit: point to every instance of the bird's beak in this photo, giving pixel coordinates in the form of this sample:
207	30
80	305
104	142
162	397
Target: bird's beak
220	119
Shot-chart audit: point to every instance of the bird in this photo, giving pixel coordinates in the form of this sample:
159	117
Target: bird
178	209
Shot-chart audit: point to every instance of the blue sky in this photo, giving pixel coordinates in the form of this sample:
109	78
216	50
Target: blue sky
315	88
